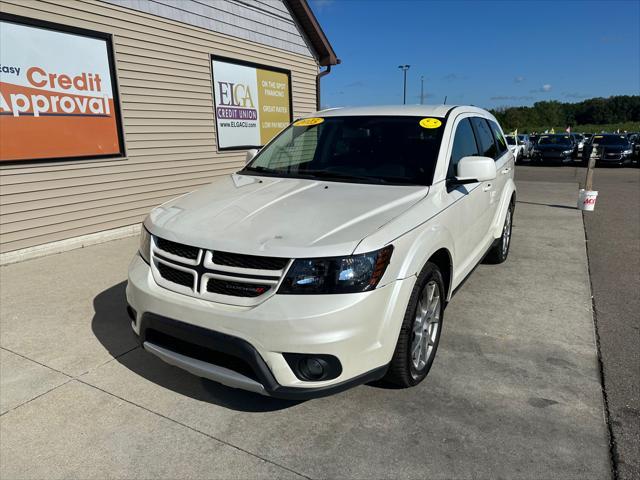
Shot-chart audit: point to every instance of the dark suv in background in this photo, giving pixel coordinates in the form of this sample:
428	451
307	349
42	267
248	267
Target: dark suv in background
553	149
608	149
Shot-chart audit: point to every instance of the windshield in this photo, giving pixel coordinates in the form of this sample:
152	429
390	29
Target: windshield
610	140
510	140
555	140
521	138
362	149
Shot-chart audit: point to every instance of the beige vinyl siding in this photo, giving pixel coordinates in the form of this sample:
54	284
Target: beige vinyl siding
164	77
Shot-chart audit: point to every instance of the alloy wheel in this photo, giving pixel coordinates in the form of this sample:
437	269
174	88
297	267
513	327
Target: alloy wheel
425	326
506	234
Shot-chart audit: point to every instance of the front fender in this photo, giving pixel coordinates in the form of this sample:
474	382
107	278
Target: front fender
418	246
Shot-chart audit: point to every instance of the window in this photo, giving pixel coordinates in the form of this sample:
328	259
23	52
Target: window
501	144
484	137
364	149
464	145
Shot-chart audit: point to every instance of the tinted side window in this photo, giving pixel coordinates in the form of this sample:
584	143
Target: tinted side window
485	137
501	143
464	144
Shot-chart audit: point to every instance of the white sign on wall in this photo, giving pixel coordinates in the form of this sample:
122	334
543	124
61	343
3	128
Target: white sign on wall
252	103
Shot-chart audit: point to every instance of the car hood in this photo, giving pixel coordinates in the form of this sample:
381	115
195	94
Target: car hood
284	217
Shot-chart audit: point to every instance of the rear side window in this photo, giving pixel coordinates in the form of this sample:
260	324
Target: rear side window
485	138
501	143
464	145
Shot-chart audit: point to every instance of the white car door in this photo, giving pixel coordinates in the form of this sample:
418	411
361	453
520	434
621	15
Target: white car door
489	147
469	206
505	162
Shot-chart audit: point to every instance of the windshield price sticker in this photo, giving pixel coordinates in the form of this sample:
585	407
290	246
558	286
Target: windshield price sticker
308	122
430	123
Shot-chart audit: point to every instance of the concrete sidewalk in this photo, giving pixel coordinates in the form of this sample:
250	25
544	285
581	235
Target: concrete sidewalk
514	391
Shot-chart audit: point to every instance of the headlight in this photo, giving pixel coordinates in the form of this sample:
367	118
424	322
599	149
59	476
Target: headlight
145	244
627	152
355	273
568	152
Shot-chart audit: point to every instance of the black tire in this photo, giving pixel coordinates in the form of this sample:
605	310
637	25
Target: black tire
402	371
500	250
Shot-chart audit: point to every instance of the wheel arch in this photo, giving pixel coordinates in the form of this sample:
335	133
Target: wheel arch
508	198
443	260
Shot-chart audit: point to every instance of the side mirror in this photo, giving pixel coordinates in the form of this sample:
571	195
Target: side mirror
250	154
476	169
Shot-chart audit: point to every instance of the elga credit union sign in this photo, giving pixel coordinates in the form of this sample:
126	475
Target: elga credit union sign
252	103
56	94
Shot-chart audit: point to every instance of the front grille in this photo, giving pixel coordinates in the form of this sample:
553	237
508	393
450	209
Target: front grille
242	279
236	289
201	353
175	276
177	249
249	261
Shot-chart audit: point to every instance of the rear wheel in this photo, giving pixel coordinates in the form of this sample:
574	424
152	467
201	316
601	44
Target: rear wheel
500	251
420	331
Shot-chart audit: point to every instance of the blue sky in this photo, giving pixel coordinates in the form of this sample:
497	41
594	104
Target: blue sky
484	53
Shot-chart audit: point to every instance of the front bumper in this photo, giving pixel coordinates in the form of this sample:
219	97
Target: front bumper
550	158
616	160
360	330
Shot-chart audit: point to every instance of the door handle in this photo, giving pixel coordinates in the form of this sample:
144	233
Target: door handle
487	187
506	170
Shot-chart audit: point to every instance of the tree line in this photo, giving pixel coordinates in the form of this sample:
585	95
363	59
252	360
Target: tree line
594	111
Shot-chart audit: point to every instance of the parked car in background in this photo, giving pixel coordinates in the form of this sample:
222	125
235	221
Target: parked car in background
579	142
526	145
634	140
608	149
533	138
328	260
514	146
553	148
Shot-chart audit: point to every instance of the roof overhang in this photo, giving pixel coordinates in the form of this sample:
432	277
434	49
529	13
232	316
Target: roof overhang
312	29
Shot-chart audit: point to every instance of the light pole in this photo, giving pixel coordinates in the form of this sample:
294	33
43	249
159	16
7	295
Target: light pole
404	69
421	89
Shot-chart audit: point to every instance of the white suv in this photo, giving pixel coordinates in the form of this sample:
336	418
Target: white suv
329	259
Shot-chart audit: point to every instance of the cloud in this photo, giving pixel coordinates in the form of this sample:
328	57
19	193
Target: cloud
612	39
575	95
320	5
357	84
513	97
450	77
519	79
544	89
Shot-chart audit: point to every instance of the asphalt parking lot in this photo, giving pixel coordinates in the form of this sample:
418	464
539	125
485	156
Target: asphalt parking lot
515	391
613	233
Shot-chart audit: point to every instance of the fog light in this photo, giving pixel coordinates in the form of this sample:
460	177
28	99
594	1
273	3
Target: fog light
313	367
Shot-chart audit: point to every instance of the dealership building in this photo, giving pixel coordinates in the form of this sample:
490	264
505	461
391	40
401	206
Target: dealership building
111	107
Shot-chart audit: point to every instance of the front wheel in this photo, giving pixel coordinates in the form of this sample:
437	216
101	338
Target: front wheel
500	250
420	332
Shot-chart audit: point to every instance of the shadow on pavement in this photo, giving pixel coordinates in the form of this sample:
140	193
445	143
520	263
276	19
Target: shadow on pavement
548	205
112	328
